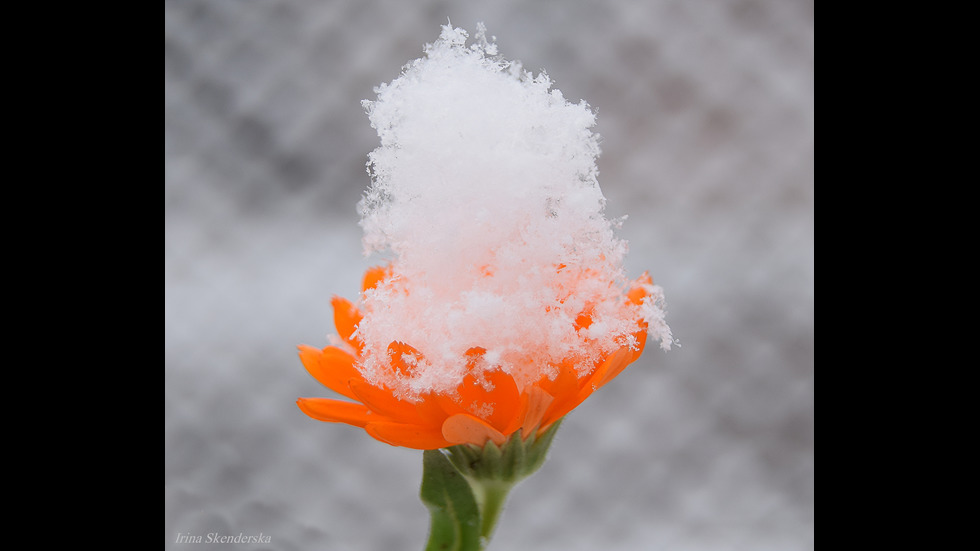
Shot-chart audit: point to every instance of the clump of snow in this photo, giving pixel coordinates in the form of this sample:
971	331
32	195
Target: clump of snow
485	200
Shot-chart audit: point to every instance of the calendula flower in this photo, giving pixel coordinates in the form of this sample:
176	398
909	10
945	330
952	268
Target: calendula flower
486	403
504	303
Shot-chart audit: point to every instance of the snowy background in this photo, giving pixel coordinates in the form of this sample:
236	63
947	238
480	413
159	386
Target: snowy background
706	115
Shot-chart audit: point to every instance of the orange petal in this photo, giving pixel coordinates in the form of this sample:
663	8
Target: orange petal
336	411
346	316
374	276
430	409
506	414
381	400
473	356
419	437
637	292
613	365
537	404
564	386
607	370
565	382
333	367
567	391
448	405
503	396
584	319
463	428
397	351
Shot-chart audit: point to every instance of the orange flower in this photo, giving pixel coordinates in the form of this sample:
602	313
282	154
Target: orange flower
487	405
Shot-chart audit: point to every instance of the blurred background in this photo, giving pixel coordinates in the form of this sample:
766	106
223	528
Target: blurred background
706	114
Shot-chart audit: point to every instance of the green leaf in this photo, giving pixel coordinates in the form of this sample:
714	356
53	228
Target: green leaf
455	514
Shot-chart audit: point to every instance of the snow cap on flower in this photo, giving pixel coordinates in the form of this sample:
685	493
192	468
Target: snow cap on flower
485	199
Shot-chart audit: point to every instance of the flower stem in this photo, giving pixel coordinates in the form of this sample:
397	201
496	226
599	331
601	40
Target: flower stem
491	495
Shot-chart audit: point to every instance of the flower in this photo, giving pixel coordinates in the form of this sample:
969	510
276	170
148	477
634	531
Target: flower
488	403
505	303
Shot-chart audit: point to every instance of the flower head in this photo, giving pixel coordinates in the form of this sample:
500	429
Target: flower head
486	403
504	304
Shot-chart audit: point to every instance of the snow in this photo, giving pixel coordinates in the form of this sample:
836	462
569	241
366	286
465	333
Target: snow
484	197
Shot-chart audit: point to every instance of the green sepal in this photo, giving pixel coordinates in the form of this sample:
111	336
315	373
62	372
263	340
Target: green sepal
455	515
515	460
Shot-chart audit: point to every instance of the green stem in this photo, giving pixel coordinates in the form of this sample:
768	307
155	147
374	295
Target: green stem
491	495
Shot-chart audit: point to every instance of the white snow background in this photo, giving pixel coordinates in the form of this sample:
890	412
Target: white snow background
706	116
